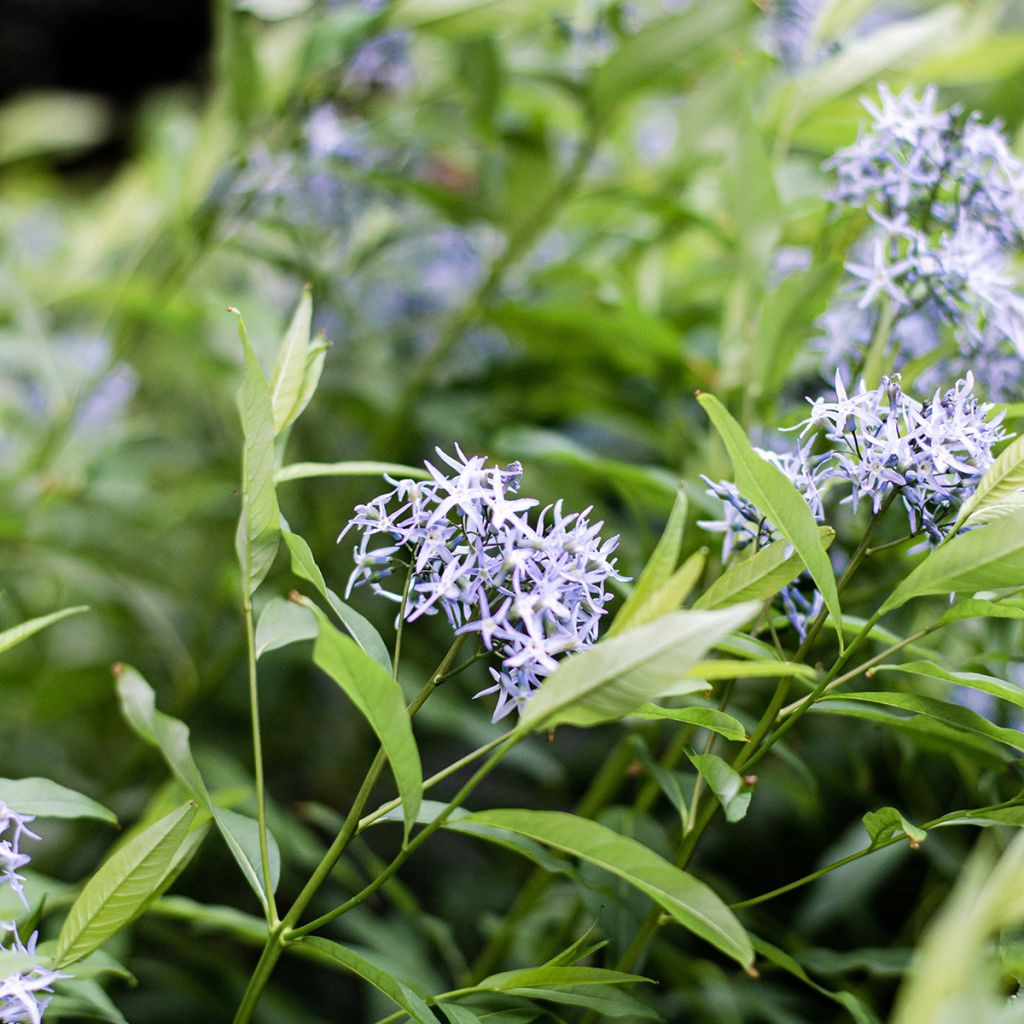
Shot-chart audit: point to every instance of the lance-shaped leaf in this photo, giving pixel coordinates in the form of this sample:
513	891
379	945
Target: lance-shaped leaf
16	634
360	628
121	888
290	368
661	565
281	623
379	698
704	718
973	680
725	782
46	799
690	902
1002	482
759	576
988	558
171	737
258	527
667	598
618	675
335	955
305	470
769	489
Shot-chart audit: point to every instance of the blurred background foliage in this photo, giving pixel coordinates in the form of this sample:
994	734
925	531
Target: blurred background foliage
534	227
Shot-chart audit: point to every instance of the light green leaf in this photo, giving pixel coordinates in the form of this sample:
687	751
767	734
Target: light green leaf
759	576
606	1002
470	17
556	977
46	799
960	718
978	609
120	889
667	598
659	569
857	1009
305	470
725	668
618	675
379	698
1003	480
16	634
704	718
336	955
973	680
84	999
767	487
668	47
281	623
726	783
171	737
290	369
988	558
688	901
985	817
258	527
887	822
242	835
360	628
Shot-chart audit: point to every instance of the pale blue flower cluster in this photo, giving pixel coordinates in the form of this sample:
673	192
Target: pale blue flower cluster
946	197
883	444
463	540
25	994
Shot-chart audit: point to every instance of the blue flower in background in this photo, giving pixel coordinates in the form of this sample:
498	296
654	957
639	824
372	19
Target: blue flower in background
531	591
946	198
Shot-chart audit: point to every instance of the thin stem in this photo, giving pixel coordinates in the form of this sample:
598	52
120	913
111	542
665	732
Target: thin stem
280	930
414	844
400	628
270	905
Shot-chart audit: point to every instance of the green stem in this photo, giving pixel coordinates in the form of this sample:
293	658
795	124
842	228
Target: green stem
270	906
413	845
279	932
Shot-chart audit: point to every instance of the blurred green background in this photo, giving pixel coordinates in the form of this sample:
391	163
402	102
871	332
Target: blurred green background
534	227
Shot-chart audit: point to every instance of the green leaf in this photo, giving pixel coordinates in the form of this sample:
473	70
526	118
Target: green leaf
666	599
725	668
669	47
556	977
857	1009
171	737
360	628
974	608
378	697
887	822
306	470
726	783
927	733
258	527
973	680
607	1003
760	575
1003	480
618	675
16	634
767	487
281	623
988	558
659	569
120	889
46	799
336	955
469	17
985	817
688	901
704	718
242	835
290	369
958	717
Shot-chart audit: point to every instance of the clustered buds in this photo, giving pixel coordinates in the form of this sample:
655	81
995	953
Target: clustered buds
20	999
463	541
